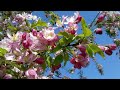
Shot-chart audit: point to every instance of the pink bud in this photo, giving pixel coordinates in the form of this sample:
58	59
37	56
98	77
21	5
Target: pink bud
77	65
40	61
79	18
84	54
112	46
82	48
34	32
85	62
55	67
100	18
27	43
24	36
98	31
73	60
108	51
72	32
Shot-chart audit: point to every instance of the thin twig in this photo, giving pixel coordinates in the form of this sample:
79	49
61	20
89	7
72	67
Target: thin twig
94	19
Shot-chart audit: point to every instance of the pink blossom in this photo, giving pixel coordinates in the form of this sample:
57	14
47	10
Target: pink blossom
34	32
14	46
41	38
38	45
60	23
71	28
74	19
8	76
31	74
19	18
102	48
113	46
27	43
49	34
31	57
82	48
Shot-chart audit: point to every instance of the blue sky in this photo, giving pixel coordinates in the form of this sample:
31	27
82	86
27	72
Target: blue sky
111	65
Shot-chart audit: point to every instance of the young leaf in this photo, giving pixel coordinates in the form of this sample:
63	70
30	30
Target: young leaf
43	66
48	60
89	51
58	47
12	27
2	52
86	31
63	41
66	58
78	37
39	23
58	59
96	49
65	34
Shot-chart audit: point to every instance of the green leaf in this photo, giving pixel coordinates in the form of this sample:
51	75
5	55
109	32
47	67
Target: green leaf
69	40
83	23
65	34
43	66
66	58
12	27
89	51
52	21
63	41
96	49
39	23
27	23
58	59
71	36
78	37
58	47
48	60
58	22
86	31
2	51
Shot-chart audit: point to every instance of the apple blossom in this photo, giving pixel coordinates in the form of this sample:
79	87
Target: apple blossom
74	19
102	48
71	28
28	46
48	34
31	74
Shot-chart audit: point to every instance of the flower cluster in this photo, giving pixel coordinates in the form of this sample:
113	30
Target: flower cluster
110	20
29	46
108	48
